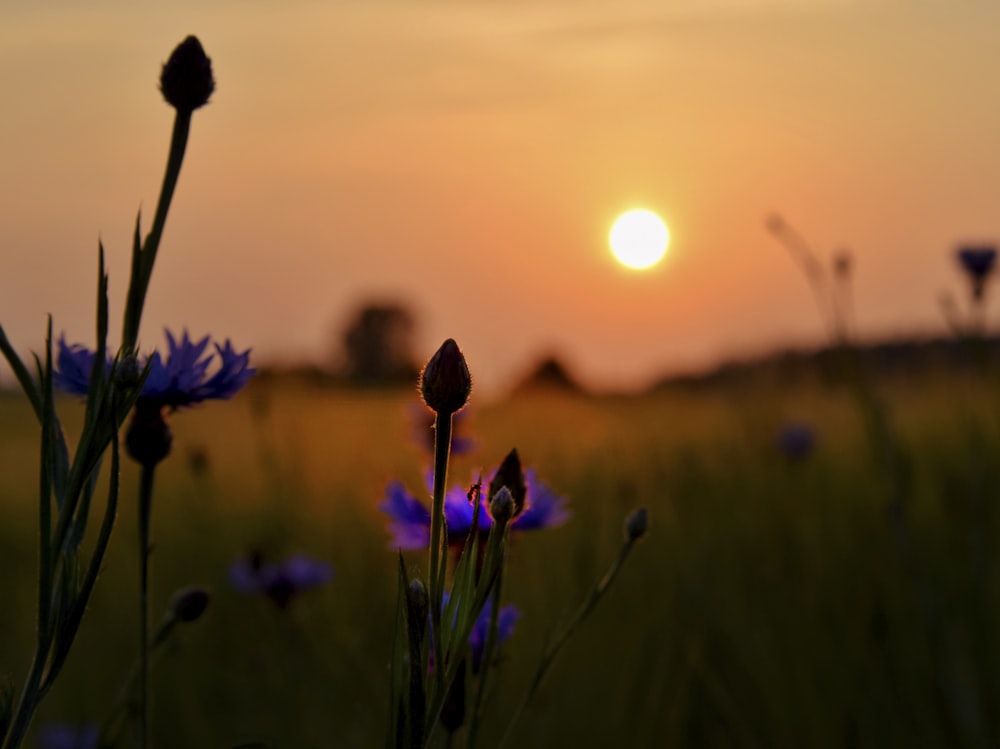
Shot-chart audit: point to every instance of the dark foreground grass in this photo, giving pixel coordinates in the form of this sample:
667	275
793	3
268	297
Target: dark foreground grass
773	605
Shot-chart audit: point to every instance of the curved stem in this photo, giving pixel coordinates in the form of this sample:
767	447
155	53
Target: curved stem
553	649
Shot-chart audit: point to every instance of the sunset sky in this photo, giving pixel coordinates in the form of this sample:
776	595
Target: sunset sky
468	158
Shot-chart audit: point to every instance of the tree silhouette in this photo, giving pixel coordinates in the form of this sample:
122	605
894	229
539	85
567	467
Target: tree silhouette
377	345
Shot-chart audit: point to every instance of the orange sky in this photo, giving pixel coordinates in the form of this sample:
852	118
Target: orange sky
469	157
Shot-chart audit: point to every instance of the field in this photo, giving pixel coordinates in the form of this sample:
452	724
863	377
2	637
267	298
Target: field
838	600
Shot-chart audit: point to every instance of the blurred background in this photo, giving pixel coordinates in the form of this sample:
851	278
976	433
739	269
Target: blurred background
804	392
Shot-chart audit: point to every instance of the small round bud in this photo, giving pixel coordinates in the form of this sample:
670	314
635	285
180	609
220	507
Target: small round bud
511	475
128	373
445	383
502	506
148	439
188	604
636	524
187	81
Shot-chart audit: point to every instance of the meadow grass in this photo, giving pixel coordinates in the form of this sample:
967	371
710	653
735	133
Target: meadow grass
773	604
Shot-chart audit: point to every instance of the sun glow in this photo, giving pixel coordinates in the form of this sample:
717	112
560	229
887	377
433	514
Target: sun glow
639	239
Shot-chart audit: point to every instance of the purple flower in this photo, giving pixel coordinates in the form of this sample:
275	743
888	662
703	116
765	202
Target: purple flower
67	736
410	520
796	441
183	379
977	261
506	623
279	581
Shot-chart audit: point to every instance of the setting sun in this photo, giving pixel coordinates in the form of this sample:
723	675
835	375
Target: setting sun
639	239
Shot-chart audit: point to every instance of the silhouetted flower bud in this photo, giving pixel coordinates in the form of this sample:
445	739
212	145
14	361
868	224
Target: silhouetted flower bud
636	524
416	600
511	475
502	506
128	372
187	81
148	439
188	604
445	383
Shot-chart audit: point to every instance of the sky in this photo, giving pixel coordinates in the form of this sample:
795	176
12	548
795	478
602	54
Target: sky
467	159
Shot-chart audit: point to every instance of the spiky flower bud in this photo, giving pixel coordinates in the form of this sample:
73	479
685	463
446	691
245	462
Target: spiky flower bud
511	475
188	604
187	81
148	439
636	525
502	506
445	383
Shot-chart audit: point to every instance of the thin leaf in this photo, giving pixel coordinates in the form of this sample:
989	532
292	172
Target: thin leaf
79	605
395	735
24	377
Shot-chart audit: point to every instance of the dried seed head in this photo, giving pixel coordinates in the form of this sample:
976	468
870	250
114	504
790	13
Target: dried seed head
636	525
511	475
445	383
187	81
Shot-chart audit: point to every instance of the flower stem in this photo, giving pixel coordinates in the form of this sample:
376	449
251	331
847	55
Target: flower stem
30	695
439	534
142	264
550	653
145	507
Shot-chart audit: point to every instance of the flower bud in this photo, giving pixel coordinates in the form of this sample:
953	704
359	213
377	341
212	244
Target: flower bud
187	81
636	525
148	439
416	600
511	475
128	373
502	506
445	383
188	604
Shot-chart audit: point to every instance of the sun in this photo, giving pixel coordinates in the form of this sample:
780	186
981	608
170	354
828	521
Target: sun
639	239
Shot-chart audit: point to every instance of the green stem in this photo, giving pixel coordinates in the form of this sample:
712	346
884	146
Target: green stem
439	537
145	507
142	266
553	649
30	695
484	666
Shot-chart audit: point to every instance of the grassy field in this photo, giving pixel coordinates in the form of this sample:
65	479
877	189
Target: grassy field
774	604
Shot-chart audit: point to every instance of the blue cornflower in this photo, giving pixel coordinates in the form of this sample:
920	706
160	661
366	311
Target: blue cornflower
796	440
279	581
410	520
506	623
67	736
180	380
978	263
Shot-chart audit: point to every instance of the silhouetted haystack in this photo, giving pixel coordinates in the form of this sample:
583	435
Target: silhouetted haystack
550	374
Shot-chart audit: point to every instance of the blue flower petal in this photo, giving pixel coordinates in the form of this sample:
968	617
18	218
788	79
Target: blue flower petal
544	508
179	380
